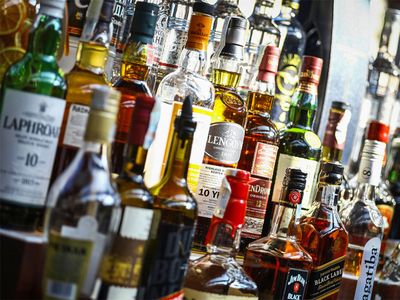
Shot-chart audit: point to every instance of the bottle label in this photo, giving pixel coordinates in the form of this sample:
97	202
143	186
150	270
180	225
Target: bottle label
264	160
77	15
208	190
224	142
191	294
173	48
307	166
325	280
336	129
295	285
30	123
259	190
76	125
370	170
117	292
168	270
199	32
117	20
369	263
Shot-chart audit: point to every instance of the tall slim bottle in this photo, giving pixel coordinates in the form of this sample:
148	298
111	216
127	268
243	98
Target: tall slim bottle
226	134
89	69
31	111
83	207
177	211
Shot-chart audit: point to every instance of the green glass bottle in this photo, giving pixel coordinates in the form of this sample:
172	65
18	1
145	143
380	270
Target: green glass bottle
299	146
31	111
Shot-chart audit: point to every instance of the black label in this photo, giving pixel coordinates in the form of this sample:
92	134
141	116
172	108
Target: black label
174	242
295	285
77	15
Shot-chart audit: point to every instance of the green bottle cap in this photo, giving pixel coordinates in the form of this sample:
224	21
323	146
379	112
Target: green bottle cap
144	22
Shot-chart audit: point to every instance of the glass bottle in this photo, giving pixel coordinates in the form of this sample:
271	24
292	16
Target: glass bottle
187	80
31	110
364	223
177	211
292	43
323	236
217	273
89	69
263	32
299	146
134	70
393	179
260	146
226	134
83	207
121	266
278	263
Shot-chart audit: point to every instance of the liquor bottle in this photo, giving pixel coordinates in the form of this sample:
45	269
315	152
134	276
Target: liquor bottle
134	71
278	263
299	146
263	32
89	69
31	110
177	212
226	134
323	236
393	179
83	207
184	81
217	274
120	269
127	24
364	223
292	44
260	146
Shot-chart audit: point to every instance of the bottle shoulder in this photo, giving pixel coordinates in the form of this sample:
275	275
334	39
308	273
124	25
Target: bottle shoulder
262	127
134	193
300	142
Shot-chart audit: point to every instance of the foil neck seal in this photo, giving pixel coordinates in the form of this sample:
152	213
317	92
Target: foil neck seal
234	36
144	22
269	64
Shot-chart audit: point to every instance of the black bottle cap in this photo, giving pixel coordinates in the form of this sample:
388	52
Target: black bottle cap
295	179
331	173
234	36
106	12
340	105
203	7
184	123
144	22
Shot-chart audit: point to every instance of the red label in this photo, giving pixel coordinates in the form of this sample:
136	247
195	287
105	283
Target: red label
294	197
264	160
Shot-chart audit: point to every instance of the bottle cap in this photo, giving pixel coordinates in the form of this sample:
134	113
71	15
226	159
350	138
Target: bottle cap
340	105
269	63
331	173
54	8
378	131
294	184
140	119
144	22
311	69
184	123
203	7
234	36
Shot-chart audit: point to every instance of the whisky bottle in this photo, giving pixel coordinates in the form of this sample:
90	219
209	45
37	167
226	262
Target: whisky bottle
292	44
226	134
83	207
89	69
187	80
323	236
365	225
299	146
278	263
177	210
217	273
260	146
31	110
121	267
134	70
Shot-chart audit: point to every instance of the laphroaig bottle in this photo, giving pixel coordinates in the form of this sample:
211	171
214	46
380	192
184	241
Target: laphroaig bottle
226	134
31	111
83	207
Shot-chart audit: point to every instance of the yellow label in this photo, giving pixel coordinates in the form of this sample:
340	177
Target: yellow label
199	32
312	139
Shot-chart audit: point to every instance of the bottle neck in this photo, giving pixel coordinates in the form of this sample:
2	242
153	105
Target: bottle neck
226	72
304	105
134	160
193	60
327	194
92	57
261	101
365	192
134	61
222	242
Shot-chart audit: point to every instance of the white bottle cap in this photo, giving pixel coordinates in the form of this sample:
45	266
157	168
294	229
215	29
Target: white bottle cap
371	162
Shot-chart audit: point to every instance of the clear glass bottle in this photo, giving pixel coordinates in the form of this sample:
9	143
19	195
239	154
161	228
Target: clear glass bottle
83	207
31	111
217	273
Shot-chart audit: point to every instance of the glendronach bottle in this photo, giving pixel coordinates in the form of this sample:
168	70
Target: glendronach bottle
299	146
89	69
134	70
217	274
260	146
83	207
187	80
168	261
226	134
31	110
278	264
324	237
121	267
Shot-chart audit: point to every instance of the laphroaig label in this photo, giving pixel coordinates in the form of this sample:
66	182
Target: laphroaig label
307	166
295	285
325	280
369	262
191	294
29	129
76	125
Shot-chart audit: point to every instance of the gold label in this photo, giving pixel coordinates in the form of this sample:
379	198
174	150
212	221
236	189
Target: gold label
199	32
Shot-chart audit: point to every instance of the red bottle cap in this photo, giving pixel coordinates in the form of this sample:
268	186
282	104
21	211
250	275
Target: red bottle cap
378	131
311	69
269	63
140	119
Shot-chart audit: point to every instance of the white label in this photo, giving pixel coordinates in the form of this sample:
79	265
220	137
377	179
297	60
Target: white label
208	190
191	294
136	223
307	166
76	125
370	171
369	263
29	129
61	289
121	293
